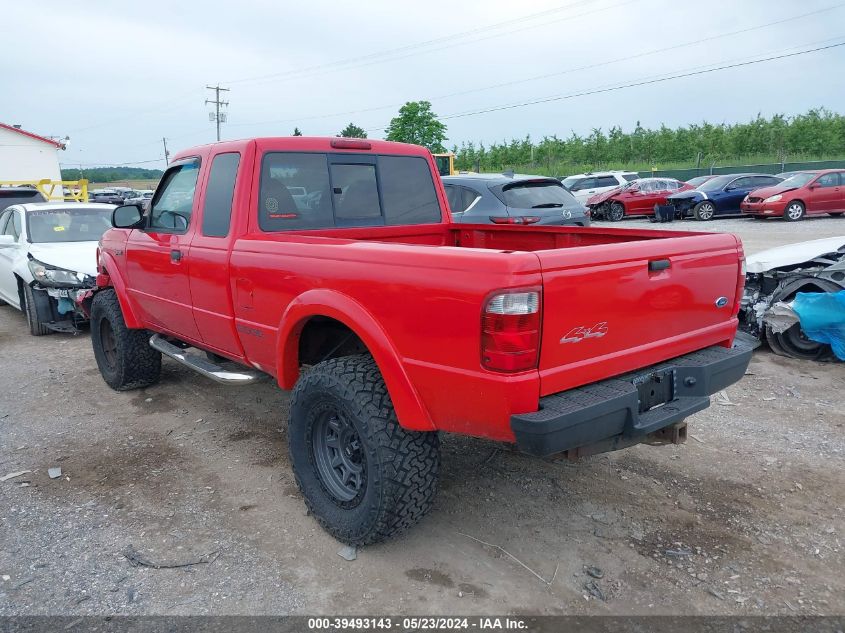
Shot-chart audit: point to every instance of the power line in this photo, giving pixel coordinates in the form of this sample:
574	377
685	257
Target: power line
556	73
343	62
350	65
627	85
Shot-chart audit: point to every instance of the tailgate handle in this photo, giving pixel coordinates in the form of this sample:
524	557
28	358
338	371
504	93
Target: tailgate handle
658	264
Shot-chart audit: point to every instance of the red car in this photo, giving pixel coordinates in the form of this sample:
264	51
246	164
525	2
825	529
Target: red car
805	193
333	267
634	198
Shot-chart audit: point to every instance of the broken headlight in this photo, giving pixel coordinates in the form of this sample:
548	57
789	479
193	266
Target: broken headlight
47	275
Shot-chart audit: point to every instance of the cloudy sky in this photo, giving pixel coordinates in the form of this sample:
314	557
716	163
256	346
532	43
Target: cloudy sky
117	77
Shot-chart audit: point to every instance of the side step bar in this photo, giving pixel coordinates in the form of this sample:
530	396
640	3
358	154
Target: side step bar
203	366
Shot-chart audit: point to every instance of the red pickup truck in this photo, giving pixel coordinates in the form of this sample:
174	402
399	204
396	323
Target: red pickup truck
332	265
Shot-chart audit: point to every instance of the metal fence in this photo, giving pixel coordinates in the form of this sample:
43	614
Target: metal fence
767	168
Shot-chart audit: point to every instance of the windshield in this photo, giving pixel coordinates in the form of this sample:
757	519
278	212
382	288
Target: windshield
714	184
798	180
568	182
67	225
536	195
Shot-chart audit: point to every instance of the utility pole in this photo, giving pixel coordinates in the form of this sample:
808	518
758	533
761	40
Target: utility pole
166	153
217	103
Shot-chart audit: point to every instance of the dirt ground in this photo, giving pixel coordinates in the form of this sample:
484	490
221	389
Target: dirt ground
745	518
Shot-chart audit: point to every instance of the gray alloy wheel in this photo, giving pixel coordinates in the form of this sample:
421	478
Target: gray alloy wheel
617	212
704	211
794	211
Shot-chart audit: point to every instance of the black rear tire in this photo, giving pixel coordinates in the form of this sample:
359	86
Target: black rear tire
835	214
364	477
36	326
124	355
793	343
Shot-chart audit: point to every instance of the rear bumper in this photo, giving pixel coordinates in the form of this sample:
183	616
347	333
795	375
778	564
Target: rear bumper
609	411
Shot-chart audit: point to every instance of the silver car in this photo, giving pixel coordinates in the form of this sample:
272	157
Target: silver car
512	199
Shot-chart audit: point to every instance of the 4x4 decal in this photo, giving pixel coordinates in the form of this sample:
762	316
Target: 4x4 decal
581	332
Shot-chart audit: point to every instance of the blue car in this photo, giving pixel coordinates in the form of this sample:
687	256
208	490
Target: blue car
720	195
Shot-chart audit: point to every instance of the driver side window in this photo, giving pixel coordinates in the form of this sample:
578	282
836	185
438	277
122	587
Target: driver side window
173	203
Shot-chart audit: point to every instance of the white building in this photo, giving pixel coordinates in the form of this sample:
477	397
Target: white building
28	156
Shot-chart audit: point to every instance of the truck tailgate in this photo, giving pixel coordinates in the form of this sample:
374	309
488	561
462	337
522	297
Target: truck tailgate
610	309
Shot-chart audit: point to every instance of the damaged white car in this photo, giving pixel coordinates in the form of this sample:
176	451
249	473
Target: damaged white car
48	258
772	283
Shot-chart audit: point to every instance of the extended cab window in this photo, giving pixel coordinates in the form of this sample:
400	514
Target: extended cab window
294	192
217	210
174	200
407	190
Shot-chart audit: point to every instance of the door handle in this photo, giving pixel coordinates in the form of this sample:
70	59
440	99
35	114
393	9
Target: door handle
658	264
175	256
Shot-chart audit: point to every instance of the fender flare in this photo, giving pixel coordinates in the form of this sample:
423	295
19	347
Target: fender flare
410	410
113	279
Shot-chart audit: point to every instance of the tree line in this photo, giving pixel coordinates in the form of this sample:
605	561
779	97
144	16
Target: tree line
111	174
818	133
815	134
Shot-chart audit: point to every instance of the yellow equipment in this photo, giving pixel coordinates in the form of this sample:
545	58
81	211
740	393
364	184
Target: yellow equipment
445	163
77	190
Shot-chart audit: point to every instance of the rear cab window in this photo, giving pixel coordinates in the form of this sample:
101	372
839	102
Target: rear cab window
303	190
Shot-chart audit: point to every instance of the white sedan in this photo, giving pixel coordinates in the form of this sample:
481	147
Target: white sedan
48	257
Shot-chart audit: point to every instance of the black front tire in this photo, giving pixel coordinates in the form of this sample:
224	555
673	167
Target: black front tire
36	326
704	211
124	355
794	211
616	212
364	478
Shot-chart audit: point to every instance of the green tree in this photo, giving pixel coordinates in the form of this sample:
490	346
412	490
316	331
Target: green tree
297	132
417	124
353	131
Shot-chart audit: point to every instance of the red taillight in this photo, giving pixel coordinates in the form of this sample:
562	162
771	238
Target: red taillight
510	330
350	143
514	219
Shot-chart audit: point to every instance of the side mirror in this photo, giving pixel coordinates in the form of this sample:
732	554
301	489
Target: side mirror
127	216
7	241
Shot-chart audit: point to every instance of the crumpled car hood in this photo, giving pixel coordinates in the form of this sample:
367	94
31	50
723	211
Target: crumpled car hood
603	196
80	257
792	254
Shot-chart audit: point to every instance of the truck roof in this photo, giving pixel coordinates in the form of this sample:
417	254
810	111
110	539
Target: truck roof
315	144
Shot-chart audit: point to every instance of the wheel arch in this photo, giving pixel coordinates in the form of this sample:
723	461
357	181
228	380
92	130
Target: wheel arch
110	277
322	303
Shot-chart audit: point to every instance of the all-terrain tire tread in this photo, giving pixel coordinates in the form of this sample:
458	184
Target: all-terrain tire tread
140	364
410	459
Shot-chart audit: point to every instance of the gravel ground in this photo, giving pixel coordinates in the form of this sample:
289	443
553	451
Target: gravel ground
746	518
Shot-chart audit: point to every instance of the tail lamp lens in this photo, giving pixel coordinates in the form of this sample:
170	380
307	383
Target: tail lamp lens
510	331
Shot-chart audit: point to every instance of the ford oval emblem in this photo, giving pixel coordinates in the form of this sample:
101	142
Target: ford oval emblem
721	302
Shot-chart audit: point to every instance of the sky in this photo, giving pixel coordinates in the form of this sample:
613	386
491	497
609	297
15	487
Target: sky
117	77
